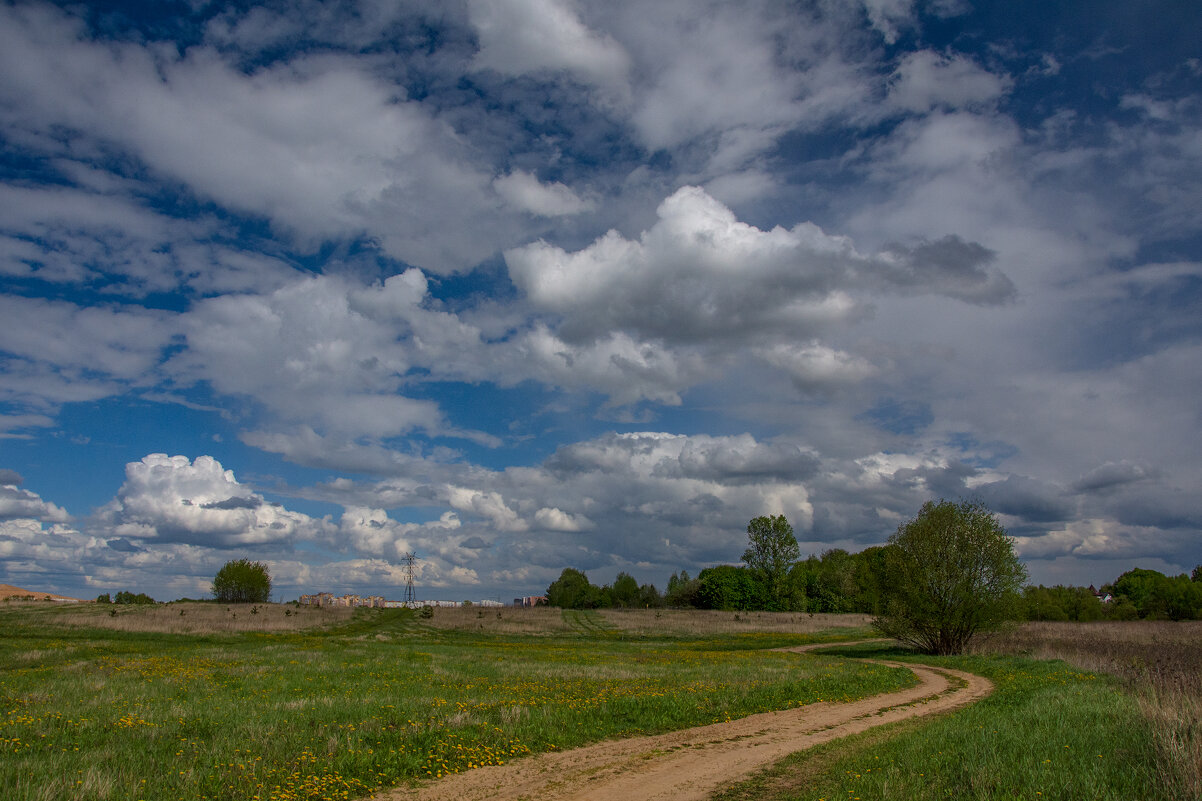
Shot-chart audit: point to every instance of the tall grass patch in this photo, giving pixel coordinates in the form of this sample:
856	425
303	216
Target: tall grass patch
1158	662
546	620
183	617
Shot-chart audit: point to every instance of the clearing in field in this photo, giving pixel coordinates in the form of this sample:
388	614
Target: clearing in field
122	707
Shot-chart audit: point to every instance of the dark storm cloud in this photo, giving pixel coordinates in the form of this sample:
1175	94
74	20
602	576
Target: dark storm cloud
949	266
1160	507
1113	475
1027	498
234	503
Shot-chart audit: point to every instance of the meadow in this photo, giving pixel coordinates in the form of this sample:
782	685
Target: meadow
1101	710
206	701
196	618
1158	662
180	702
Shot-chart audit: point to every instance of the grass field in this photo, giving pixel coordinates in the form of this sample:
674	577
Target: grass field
163	705
192	618
204	701
1158	662
1104	711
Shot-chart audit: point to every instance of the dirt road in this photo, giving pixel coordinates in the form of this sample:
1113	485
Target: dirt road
691	764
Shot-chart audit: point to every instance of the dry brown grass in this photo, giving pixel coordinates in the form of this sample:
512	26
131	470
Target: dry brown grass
186	617
1161	663
543	620
703	622
537	620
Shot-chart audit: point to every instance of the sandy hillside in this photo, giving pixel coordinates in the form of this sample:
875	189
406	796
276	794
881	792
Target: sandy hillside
9	591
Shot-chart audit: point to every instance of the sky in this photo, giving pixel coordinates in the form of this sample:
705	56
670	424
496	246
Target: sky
520	285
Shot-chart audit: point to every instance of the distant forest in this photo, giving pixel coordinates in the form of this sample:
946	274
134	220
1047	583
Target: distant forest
839	581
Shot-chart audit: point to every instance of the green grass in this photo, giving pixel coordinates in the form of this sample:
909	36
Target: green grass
383	700
1049	731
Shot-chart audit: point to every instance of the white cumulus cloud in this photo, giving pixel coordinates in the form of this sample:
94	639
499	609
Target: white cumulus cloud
20	503
521	36
559	520
526	192
699	274
175	499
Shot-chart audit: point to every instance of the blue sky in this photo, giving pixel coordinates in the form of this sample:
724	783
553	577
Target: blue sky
526	284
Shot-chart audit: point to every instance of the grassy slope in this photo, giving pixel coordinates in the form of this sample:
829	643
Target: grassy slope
384	699
1049	731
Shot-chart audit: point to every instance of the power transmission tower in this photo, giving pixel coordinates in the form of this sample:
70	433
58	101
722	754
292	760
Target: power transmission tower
407	561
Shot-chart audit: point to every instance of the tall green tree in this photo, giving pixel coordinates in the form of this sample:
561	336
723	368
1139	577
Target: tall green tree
950	573
573	590
729	588
682	590
869	574
242	581
625	590
771	552
649	597
837	580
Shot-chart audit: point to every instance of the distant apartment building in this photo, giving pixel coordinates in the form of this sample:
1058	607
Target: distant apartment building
530	600
317	599
329	600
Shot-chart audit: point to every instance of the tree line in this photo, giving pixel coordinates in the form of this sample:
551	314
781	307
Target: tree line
773	577
125	597
1138	594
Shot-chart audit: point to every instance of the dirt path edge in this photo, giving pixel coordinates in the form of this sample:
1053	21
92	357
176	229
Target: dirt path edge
689	765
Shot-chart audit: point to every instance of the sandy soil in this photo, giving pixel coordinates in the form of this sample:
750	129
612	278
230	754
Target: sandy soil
693	763
9	591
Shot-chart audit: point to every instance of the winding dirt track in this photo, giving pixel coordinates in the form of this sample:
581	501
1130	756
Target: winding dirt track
693	763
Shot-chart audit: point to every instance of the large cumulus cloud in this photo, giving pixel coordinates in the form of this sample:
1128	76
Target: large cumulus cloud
699	274
175	499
